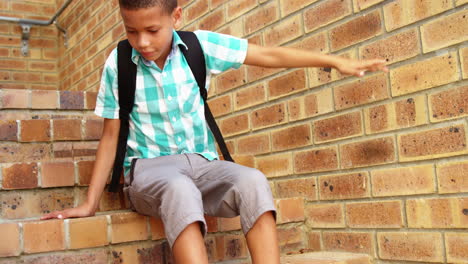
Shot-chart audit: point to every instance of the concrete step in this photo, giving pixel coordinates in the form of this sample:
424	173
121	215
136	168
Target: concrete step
326	257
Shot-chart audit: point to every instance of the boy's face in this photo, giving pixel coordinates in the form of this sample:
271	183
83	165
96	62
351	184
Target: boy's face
149	31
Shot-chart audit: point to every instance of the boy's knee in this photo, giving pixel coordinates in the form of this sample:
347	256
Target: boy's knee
253	179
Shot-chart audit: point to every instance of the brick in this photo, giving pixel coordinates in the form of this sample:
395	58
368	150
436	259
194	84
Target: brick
325	215
356	30
290	6
233	125
316	160
240	7
401	13
230	80
364	4
261	17
20	176
214	3
449	104
12	64
290	210
326	13
254	144
157	228
24	152
425	74
128	227
88	232
44	100
464	62
90	100
140	253
338	127
445	31
275	165
403	181
395	48
437	213
414	246
62	150
212	223
90	257
314	239
234	28
84	149
460	2
229	224
35	130
220	106
10	243
451	177
287	84
385	214
14	99
43	236
26	204
85	170
305	188
367	153
255	73
356	242
55	174
42	66
269	116
71	100
291	137
27	77
67	129
234	247
310	105
283	32
290	239
8	130
344	186
427	144
250	96
111	202
362	91
316	42
93	129
396	115
456	245
214	20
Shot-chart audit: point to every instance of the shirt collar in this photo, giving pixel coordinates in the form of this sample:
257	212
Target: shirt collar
175	43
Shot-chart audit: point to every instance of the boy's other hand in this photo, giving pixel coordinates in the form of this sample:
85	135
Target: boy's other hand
81	211
358	68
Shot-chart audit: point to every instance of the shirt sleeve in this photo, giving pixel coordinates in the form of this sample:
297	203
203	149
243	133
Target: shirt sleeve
222	52
107	104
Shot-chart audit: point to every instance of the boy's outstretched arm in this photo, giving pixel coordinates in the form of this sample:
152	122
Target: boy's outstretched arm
282	57
104	162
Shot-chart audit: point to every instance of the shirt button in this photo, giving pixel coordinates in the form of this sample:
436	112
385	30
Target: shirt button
179	139
169	98
174	119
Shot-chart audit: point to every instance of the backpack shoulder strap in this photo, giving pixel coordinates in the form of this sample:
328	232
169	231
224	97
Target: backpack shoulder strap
126	87
196	61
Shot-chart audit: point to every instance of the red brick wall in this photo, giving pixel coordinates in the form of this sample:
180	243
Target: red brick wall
376	165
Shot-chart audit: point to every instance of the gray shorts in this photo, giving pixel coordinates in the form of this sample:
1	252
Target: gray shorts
180	189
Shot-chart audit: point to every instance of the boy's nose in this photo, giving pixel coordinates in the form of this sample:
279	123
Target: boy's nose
143	42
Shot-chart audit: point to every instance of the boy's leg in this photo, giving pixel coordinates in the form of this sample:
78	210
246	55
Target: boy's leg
189	246
262	240
162	187
229	189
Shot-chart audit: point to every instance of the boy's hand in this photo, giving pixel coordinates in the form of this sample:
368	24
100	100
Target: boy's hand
358	68
81	211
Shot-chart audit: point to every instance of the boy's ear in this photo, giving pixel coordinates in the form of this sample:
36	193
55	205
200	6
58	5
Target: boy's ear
177	17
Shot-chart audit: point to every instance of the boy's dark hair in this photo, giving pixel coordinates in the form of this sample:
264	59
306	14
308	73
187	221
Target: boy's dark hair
167	5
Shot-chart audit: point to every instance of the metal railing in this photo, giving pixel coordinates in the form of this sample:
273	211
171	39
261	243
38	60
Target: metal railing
27	23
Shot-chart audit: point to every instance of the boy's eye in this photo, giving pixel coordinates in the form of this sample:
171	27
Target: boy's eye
153	31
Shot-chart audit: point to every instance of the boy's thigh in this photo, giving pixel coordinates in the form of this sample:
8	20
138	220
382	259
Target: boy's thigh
230	189
162	183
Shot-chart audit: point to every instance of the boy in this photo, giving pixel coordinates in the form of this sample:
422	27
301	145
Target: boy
177	175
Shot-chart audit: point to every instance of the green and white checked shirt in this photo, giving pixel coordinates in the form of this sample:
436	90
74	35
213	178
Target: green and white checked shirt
168	117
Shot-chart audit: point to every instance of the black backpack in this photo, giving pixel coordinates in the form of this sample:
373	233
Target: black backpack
127	85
